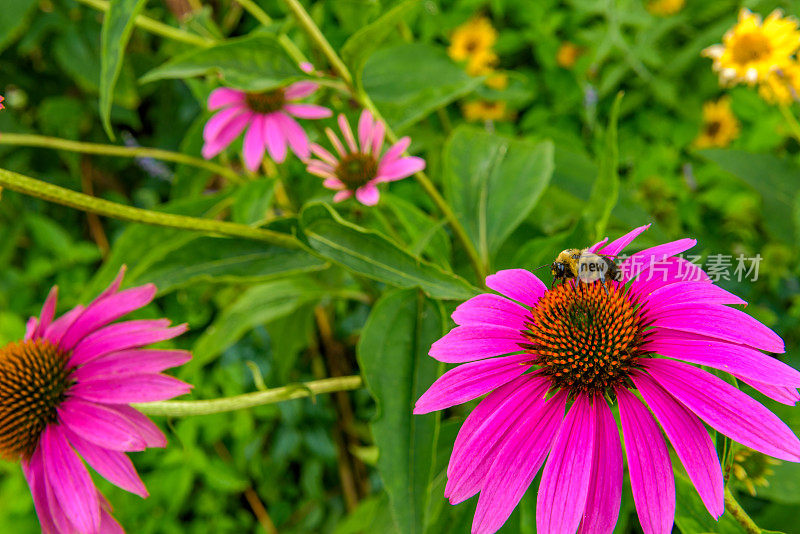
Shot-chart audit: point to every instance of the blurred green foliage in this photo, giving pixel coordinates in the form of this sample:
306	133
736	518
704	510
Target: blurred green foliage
312	464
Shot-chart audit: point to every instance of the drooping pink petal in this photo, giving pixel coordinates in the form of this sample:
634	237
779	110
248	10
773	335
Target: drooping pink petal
109	525
295	135
131	388
598	245
605	484
470	381
323	154
738	360
308	111
112	465
690	440
103	312
342	195
223	96
649	465
145	428
219	121
34	475
254	144
299	90
347	133
726	409
783	394
337	144
55	331
70	482
517	461
653	256
565	480
114	286
131	362
365	125
717	321
227	134
30	328
321	169
485	425
368	194
518	284
57	514
618	245
395	151
399	169
333	183
123	336
468	343
378	134
689	292
100	425
489	309
48	312
276	142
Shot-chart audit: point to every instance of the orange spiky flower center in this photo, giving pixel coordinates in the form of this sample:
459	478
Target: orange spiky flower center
356	169
586	339
34	379
266	102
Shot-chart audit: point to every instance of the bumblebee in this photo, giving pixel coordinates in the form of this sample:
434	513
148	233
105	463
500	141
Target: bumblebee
585	266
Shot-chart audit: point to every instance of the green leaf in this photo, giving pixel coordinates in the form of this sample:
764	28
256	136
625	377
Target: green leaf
117	28
493	182
13	20
775	179
370	254
365	41
426	235
605	191
251	63
409	81
691	516
393	355
257	305
252	201
221	260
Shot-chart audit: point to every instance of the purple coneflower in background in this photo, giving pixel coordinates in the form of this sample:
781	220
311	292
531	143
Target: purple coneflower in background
360	167
268	118
535	350
65	392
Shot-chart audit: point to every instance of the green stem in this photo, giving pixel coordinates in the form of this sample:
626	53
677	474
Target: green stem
250	400
261	16
738	513
427	185
155	27
73	199
791	121
117	151
325	47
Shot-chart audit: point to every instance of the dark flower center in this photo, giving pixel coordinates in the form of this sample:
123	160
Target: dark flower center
266	102
584	339
355	170
750	47
712	128
471	45
33	382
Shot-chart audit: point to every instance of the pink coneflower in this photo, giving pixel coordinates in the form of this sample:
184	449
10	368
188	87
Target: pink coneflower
1	102
534	351
65	391
360	167
269	117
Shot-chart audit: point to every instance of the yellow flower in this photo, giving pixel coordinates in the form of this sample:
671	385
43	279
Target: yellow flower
568	53
497	81
665	8
752	50
484	110
481	63
720	125
782	86
472	38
